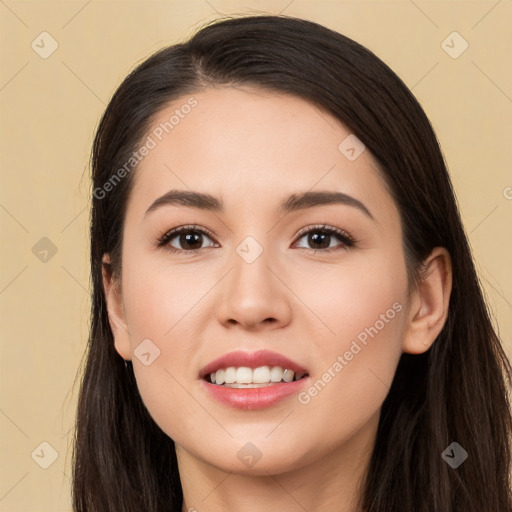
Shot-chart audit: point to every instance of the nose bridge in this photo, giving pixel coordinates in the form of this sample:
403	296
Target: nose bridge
252	252
251	275
252	293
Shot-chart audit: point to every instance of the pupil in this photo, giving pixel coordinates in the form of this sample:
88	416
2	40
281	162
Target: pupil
187	240
314	238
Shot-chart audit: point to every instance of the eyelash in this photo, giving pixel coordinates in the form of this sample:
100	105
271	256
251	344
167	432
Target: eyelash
347	240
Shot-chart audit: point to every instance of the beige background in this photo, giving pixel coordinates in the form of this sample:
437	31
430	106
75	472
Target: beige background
50	108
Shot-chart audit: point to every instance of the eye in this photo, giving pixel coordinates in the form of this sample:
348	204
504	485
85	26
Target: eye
188	238
321	236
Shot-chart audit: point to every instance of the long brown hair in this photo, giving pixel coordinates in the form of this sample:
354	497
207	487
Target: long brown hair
456	391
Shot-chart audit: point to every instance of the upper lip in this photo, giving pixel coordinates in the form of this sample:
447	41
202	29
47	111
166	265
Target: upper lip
251	360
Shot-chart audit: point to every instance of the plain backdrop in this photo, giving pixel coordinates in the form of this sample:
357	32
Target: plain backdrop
50	105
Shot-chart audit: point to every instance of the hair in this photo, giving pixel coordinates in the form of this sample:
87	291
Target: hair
455	391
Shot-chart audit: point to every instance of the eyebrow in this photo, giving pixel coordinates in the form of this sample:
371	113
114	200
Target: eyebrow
294	202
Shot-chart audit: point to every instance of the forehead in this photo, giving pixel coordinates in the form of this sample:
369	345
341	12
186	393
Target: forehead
247	145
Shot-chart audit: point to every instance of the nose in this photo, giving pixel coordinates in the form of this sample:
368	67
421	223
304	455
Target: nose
254	296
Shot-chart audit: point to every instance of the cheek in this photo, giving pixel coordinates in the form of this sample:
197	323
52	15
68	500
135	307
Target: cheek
364	300
363	319
166	306
159	299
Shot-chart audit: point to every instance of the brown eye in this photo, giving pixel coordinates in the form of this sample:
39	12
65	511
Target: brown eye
190	240
320	238
184	239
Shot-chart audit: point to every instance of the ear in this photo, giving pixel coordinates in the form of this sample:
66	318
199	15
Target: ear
429	303
115	308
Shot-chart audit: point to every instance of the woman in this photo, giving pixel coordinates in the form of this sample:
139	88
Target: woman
286	315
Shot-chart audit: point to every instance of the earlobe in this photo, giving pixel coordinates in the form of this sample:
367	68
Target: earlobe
429	304
116	316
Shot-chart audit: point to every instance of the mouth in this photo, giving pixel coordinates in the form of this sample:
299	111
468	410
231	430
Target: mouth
241	369
246	378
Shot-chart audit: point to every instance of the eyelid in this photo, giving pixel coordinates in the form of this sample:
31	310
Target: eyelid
325	227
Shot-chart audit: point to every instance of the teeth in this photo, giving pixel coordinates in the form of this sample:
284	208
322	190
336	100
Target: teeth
230	375
261	375
288	375
219	376
245	377
276	374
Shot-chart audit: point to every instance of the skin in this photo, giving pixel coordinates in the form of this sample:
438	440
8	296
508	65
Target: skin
253	148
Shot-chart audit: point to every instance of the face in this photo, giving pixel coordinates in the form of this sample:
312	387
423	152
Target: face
321	282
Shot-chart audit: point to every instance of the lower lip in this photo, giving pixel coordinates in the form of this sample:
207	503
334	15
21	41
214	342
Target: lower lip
254	398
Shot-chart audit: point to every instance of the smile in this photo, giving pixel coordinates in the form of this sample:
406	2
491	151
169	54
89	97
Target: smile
245	377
